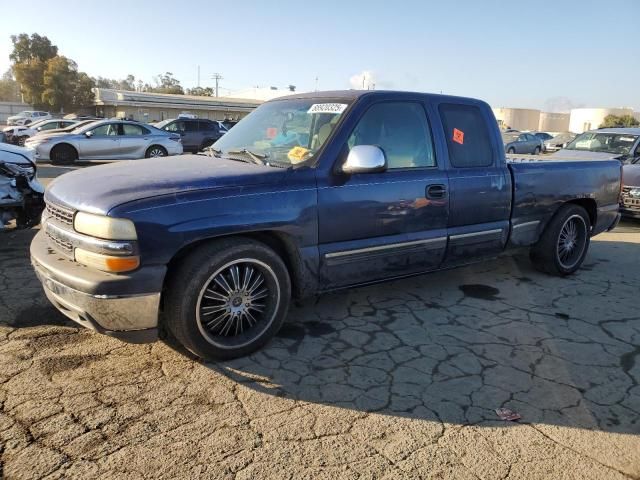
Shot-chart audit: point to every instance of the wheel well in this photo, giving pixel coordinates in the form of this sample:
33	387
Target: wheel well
277	241
590	206
65	145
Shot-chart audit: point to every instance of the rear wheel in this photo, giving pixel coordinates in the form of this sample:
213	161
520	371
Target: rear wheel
563	245
63	154
511	150
228	298
536	151
155	151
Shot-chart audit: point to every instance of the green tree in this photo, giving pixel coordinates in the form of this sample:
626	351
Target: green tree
9	88
29	48
65	88
166	83
128	83
82	92
29	56
200	92
611	121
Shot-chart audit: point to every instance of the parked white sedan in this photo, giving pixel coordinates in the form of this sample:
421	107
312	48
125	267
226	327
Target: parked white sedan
27	117
20	133
105	140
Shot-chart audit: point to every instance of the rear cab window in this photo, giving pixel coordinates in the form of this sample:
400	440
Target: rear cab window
467	134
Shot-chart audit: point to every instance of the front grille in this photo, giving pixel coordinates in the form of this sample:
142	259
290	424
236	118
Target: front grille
61	214
629	200
62	245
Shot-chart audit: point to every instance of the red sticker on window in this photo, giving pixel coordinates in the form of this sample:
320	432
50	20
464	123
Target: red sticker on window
458	136
272	132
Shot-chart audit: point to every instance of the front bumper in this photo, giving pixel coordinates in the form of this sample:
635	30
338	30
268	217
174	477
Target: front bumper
630	212
123	306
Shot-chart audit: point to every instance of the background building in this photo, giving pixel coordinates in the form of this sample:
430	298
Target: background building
583	119
153	107
518	118
554	122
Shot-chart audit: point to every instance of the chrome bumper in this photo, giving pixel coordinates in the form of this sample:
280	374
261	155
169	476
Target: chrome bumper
132	318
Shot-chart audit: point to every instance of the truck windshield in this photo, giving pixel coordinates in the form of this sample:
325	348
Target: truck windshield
284	131
603	142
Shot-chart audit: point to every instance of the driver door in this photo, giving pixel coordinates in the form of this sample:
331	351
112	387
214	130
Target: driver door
385	224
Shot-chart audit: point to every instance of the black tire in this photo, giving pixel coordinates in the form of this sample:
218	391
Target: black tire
551	254
63	154
26	122
155	151
198	307
536	151
511	150
206	144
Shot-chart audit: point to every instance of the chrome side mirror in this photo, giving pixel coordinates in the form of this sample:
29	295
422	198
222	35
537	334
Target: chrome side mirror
88	134
365	159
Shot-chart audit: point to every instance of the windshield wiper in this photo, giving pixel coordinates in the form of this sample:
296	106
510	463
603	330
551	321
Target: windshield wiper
216	152
258	158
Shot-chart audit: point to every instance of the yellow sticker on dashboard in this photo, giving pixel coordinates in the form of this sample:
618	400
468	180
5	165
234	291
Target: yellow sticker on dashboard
297	154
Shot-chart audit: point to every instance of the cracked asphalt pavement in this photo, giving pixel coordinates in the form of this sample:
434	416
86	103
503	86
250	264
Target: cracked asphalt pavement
398	380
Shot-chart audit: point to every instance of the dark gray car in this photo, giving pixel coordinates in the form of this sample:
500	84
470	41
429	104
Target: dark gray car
522	143
196	133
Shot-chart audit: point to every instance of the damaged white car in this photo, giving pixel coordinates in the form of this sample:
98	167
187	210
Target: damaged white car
21	195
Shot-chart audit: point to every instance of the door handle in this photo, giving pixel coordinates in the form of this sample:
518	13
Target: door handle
436	191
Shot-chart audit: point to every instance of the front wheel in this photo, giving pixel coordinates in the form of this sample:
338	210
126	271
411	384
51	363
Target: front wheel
227	298
536	151
563	245
155	151
63	155
511	150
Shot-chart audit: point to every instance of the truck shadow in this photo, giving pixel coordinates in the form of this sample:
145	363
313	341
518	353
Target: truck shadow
456	345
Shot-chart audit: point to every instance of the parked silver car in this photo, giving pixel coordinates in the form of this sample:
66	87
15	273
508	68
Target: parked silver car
105	140
522	143
556	143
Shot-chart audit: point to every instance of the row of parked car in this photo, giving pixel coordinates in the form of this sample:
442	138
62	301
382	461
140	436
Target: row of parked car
534	143
63	141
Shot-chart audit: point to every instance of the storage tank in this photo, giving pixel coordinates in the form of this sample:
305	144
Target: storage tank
583	119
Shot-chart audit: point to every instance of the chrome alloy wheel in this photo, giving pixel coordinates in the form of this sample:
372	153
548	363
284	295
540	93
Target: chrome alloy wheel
238	303
156	152
571	241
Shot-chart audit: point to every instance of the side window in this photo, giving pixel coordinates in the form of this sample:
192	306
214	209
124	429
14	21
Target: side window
131	130
467	136
191	126
522	138
175	127
109	129
208	126
401	130
49	126
66	124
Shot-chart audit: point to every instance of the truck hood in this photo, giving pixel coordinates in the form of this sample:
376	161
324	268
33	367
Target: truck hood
631	175
582	155
98	189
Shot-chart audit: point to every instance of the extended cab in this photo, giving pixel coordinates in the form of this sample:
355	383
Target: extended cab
309	193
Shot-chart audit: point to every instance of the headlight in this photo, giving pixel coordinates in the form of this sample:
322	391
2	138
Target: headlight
102	226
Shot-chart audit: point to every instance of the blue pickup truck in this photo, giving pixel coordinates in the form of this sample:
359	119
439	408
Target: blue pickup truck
309	193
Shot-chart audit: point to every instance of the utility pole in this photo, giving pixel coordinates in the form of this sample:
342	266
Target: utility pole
198	76
316	83
217	77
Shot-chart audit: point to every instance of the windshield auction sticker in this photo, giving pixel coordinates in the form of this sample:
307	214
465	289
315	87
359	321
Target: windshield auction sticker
335	108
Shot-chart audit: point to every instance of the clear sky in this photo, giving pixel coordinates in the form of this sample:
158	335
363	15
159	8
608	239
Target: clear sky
543	54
